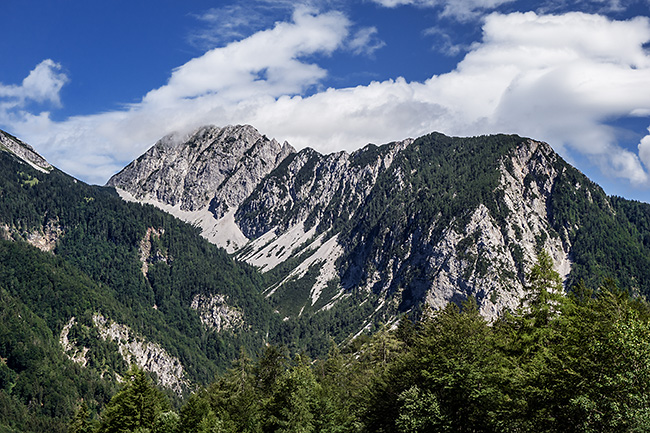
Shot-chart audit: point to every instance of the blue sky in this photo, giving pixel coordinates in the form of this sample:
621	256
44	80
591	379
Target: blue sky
92	84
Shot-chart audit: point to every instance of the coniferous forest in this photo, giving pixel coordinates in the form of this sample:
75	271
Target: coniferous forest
573	358
579	362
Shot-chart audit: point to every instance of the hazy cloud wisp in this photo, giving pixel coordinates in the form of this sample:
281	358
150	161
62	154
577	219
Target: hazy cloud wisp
462	10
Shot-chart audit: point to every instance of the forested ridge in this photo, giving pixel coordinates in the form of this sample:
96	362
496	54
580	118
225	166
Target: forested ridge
561	363
577	362
96	268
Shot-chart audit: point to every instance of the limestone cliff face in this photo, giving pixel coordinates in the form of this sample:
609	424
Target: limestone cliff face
24	151
426	221
145	354
132	347
317	190
215	167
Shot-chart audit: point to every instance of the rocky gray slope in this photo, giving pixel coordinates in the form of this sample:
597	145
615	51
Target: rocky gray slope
202	178
317	190
215	167
431	220
23	151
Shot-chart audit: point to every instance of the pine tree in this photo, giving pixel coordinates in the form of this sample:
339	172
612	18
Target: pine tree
81	422
545	290
135	406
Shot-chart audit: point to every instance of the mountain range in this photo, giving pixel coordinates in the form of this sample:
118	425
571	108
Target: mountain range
417	222
277	246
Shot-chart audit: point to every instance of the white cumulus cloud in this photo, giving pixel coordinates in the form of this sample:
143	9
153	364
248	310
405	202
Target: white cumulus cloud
43	84
559	78
267	63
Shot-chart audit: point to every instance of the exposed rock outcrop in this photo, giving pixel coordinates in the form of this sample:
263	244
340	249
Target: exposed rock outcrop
145	354
45	239
215	313
71	350
376	221
149	254
24	151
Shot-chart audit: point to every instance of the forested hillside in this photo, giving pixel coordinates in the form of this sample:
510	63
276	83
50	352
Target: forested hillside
609	236
578	363
104	301
98	281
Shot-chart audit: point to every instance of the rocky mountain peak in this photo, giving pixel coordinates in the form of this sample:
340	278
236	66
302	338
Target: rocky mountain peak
23	151
211	166
430	220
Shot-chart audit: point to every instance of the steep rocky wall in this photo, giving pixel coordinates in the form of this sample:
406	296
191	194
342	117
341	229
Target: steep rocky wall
145	354
271	206
215	167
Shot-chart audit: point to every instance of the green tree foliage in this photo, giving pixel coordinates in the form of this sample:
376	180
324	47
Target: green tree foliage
138	405
96	268
609	236
452	364
578	362
81	423
419	411
273	394
40	386
293	404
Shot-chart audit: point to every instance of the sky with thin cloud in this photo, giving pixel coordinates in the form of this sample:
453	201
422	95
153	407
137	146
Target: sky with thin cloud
92	85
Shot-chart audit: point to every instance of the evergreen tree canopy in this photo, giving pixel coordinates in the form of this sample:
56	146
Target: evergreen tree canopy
136	406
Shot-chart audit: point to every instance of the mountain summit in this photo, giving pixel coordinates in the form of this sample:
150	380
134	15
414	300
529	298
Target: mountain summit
204	176
419	221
